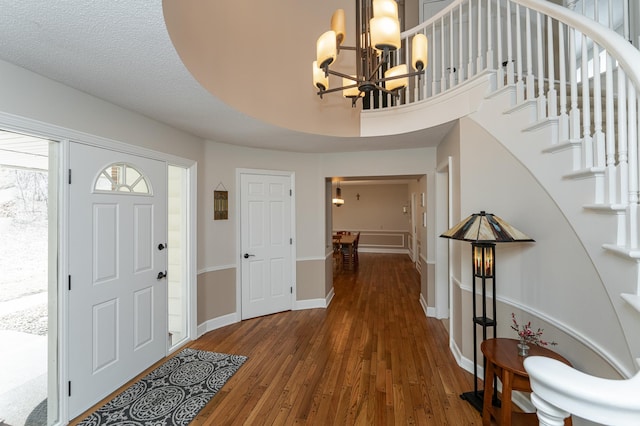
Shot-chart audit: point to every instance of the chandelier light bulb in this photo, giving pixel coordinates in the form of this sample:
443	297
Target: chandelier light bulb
419	52
338	25
396	83
320	79
385	33
385	8
326	50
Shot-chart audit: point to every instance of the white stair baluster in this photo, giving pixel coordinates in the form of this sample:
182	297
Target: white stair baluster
461	74
552	94
452	67
500	68
587	147
632	133
610	137
479	61
510	68
530	79
563	124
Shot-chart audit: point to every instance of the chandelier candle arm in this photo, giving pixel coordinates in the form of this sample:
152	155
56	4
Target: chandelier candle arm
350	90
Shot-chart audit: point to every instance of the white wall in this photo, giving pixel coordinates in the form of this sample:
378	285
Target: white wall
29	95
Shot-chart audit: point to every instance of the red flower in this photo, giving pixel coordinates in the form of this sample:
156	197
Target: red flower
527	335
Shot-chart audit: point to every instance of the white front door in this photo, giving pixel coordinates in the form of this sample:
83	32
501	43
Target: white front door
266	244
117	299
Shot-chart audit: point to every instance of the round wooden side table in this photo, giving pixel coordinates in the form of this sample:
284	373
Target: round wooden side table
504	363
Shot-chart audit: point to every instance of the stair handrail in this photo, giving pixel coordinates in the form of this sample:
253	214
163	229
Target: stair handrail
626	55
559	390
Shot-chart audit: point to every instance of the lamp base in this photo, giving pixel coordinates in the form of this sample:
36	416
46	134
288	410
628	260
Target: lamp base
476	399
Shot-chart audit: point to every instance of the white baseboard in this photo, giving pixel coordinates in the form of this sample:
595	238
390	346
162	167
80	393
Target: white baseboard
219	322
428	310
463	362
329	297
362	249
314	303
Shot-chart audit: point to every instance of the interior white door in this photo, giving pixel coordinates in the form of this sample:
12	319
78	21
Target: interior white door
117	299
266	244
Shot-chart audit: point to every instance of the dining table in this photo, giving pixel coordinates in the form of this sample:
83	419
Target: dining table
345	242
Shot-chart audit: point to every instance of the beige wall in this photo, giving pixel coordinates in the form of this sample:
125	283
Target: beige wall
379	207
311	285
216	294
410	14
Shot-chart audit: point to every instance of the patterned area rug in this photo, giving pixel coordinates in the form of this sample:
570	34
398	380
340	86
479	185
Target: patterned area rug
172	394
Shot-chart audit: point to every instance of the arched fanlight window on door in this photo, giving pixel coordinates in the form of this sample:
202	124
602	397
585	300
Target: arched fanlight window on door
122	178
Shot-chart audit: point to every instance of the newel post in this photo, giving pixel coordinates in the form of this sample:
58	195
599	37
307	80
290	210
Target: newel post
548	414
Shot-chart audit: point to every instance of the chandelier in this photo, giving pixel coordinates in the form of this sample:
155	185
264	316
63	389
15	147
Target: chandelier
338	200
378	34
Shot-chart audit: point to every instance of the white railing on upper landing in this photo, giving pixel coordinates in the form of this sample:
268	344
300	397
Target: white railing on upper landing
559	390
613	14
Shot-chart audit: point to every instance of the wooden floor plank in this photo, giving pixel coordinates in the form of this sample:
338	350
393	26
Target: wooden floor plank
370	358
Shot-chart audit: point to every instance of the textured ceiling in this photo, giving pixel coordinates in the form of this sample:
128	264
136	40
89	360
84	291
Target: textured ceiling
119	51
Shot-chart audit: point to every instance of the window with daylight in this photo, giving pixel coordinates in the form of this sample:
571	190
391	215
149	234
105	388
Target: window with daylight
122	178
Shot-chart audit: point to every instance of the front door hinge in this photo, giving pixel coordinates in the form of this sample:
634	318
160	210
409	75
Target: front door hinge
69	176
69	282
69	387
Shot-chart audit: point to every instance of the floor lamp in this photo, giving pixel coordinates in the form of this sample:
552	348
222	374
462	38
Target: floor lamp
483	230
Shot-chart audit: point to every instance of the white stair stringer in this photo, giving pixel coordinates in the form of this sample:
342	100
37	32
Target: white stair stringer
555	164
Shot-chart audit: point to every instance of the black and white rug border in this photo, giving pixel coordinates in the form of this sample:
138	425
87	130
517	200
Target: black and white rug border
171	394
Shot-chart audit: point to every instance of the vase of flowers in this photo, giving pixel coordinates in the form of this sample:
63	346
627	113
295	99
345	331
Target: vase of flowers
523	348
528	336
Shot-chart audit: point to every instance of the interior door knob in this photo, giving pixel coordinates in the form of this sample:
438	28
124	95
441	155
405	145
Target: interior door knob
247	255
161	275
161	246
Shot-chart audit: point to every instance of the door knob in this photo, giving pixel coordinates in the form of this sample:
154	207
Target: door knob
161	275
247	255
161	246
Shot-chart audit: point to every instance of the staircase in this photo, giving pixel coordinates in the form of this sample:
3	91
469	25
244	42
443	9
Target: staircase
548	65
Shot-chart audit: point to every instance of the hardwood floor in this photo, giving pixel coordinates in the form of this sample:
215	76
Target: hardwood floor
370	358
